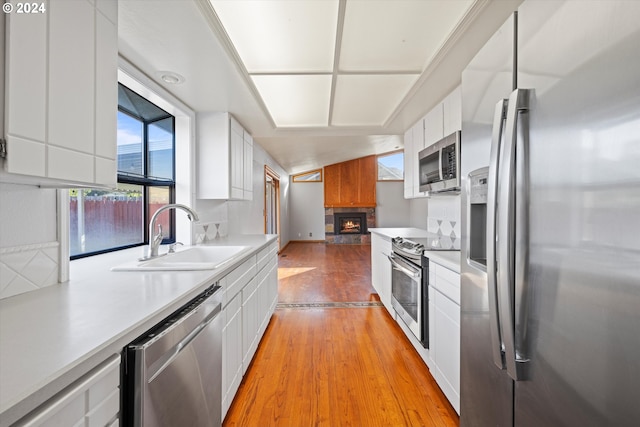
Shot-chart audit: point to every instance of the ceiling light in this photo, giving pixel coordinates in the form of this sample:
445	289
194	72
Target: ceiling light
170	77
296	100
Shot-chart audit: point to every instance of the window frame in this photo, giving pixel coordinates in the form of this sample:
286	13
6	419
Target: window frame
319	171
146	182
390	153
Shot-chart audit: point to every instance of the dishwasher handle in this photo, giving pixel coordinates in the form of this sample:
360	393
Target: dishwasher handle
167	358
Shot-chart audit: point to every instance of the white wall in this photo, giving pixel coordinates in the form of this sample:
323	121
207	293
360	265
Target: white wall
307	211
393	209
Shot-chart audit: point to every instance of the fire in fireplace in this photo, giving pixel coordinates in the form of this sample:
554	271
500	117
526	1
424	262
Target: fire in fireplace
350	223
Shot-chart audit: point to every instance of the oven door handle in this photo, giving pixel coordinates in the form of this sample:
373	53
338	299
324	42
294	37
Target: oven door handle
402	268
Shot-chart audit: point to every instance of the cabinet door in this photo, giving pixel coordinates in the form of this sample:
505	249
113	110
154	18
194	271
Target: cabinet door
71	72
273	285
447	357
452	106
106	93
250	323
237	159
433	126
418	135
247	166
350	182
332	179
26	110
433	343
231	352
61	94
410	164
367	180
381	269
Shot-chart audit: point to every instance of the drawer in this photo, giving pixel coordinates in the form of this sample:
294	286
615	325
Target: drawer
237	279
249	290
263	257
232	308
448	307
447	282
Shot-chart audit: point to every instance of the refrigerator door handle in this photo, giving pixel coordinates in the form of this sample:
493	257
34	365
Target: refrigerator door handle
492	286
506	237
521	273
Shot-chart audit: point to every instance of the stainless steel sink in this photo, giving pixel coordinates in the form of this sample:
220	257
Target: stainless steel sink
189	259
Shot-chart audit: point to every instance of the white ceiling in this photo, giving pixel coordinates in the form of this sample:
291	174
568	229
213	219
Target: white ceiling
315	82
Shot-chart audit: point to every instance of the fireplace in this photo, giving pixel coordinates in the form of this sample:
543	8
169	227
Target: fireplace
350	223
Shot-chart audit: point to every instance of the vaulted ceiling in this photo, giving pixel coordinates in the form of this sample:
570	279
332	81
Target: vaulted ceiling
315	81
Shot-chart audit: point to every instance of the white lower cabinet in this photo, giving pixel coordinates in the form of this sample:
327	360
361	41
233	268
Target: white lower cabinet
232	351
93	400
444	330
381	269
249	323
251	295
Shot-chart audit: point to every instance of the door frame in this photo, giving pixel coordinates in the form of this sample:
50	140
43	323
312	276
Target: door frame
270	173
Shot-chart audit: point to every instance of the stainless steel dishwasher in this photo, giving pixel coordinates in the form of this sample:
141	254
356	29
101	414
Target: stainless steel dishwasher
173	372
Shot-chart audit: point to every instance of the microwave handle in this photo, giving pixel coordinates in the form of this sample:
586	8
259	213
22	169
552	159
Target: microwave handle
440	164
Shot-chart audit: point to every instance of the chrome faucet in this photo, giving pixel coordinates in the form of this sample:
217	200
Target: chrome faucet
155	240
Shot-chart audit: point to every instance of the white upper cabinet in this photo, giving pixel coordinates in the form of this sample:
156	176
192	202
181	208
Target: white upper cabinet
224	158
410	163
61	94
444	119
248	167
433	126
452	106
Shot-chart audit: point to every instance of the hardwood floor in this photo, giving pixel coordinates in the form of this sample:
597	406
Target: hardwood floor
335	365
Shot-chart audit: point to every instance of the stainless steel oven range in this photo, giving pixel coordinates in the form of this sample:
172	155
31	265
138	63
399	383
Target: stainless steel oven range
409	282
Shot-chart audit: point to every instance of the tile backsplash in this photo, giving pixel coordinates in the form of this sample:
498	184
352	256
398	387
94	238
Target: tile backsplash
444	216
206	231
28	268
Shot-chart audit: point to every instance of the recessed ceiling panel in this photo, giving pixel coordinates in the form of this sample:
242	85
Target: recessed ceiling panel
296	100
281	36
396	35
368	100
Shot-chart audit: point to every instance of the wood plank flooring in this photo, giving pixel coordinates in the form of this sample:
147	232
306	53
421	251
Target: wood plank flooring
335	366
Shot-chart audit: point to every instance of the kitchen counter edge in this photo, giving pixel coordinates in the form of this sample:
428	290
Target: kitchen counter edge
448	259
36	364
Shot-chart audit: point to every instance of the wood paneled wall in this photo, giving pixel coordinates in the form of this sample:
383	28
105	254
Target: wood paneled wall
351	184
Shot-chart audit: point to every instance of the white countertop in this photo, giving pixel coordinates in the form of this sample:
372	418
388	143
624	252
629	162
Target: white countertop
51	337
448	259
407	232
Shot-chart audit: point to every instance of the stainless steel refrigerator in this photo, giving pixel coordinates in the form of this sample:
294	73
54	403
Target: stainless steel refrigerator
550	297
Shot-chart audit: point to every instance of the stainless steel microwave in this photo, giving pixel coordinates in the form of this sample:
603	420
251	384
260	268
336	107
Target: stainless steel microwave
439	165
